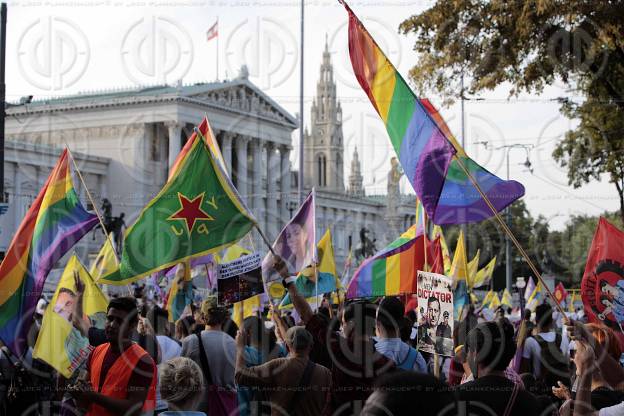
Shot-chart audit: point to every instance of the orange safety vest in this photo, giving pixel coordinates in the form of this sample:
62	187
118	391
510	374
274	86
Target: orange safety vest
116	380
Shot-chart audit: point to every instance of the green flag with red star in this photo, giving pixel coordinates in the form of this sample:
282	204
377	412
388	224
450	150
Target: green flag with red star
197	212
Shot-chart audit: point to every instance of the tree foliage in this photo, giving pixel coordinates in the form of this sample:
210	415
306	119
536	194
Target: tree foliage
528	45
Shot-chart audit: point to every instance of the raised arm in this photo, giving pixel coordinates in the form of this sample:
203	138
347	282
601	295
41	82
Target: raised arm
303	308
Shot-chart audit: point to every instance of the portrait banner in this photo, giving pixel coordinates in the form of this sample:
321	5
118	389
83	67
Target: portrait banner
63	339
435	313
295	244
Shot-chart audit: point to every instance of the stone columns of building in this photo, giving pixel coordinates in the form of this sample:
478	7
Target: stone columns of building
256	181
285	182
242	181
226	150
272	174
17	195
175	144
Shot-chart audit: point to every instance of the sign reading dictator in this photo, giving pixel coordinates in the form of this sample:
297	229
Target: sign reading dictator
602	288
435	313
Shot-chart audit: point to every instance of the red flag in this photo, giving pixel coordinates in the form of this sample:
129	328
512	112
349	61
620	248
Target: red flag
560	293
602	288
213	32
437	263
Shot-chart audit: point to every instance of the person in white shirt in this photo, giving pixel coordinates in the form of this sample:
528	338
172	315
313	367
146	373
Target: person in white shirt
532	353
168	348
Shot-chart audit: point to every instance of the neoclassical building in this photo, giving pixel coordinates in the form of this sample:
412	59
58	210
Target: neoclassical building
125	141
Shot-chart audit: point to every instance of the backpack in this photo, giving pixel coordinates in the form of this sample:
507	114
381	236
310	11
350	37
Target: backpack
554	363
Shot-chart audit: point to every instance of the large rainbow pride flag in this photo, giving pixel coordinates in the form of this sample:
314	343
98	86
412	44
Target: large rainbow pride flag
52	226
393	270
427	151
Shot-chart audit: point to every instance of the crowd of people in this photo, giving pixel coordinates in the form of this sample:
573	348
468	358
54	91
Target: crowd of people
355	358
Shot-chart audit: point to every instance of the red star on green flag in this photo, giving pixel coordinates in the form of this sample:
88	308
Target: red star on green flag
191	211
197	212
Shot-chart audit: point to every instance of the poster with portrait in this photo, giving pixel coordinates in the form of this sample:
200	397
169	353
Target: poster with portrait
239	279
435	313
295	244
63	339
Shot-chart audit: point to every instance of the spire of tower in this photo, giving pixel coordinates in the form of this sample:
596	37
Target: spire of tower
356	180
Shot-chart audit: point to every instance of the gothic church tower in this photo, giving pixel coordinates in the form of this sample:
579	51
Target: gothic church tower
324	147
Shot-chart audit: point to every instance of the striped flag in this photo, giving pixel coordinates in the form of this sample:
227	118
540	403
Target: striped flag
428	152
54	223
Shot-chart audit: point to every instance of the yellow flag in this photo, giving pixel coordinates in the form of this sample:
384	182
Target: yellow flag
233	252
488	298
250	306
446	257
459	268
473	266
506	299
571	304
473	298
60	343
327	263
484	275
106	261
495	303
535	297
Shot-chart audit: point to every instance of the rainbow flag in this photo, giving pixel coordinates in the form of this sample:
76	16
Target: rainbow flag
393	270
427	150
54	223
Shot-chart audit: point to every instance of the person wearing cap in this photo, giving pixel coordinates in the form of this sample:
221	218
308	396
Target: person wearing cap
219	352
294	384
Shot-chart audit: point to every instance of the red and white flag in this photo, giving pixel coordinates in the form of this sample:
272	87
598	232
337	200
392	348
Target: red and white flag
602	288
213	32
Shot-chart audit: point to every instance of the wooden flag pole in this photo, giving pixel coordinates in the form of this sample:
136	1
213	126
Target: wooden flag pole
97	212
510	234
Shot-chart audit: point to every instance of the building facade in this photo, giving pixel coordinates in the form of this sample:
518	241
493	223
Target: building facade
125	142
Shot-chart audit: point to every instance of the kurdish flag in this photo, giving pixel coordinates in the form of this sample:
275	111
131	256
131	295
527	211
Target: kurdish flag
473	266
393	270
484	275
53	224
197	212
427	150
106	261
60	343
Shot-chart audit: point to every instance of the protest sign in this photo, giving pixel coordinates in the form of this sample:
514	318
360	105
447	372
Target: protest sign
240	279
435	313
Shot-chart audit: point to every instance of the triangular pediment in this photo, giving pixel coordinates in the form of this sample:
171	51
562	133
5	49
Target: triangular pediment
244	96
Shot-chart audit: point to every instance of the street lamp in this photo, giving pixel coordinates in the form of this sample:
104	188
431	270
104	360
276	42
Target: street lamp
527	163
520	285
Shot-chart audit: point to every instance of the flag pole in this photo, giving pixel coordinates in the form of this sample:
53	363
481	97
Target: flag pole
265	239
509	233
97	212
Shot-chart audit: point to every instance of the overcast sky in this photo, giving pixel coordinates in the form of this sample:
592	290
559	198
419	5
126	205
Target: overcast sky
63	47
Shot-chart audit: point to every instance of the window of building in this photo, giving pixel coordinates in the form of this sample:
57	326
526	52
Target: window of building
322	170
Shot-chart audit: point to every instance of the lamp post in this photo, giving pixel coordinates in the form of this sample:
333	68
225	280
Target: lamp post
527	164
520	285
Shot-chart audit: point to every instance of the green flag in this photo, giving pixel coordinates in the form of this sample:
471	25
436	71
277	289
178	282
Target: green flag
197	212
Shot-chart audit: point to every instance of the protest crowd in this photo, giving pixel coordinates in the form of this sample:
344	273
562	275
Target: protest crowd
281	332
356	357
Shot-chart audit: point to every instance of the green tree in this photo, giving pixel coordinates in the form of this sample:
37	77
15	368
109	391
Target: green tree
528	45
